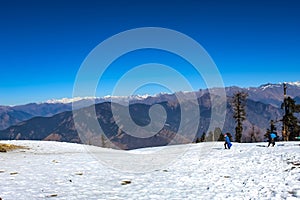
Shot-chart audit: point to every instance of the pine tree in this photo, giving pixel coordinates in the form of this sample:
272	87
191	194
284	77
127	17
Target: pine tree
289	120
198	140
238	103
221	138
203	137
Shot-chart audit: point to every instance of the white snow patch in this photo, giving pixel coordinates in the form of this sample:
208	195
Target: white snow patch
69	100
105	98
296	83
269	86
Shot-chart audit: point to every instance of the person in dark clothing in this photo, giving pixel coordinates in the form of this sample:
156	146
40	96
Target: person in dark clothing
272	138
227	143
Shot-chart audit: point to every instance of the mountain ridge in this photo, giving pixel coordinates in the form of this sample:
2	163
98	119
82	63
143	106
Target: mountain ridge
61	127
263	105
135	98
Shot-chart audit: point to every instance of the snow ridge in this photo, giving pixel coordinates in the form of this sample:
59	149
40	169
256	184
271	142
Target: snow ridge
69	100
105	98
271	85
145	96
296	83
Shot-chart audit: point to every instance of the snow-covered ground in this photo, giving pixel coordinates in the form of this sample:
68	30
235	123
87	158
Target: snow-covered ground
53	170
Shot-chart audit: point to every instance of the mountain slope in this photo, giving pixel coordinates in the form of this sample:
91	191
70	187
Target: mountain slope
61	127
13	115
268	93
10	116
43	109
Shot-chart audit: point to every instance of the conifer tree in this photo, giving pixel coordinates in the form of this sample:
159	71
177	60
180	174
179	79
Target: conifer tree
239	113
203	137
289	120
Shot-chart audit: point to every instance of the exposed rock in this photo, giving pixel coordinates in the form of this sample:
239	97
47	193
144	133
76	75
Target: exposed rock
125	182
79	173
53	137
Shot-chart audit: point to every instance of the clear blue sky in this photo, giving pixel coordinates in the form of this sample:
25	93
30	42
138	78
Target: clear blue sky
43	42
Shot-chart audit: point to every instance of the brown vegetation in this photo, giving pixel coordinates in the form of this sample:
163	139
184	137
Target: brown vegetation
10	147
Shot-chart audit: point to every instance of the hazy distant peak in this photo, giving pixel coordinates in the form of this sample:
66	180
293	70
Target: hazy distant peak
272	85
105	98
296	83
269	85
69	100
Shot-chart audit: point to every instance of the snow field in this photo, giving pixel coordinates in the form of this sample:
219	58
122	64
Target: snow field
54	170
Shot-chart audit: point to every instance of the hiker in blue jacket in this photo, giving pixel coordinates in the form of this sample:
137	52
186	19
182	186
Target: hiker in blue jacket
272	137
227	143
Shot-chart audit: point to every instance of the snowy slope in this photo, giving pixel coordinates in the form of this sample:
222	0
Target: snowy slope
53	170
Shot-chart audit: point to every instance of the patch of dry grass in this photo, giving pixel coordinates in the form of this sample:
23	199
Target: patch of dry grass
10	147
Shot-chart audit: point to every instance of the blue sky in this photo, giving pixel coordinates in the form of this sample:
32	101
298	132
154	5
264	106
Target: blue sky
43	43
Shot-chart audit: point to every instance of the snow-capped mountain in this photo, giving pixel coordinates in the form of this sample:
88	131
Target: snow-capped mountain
269	86
268	94
68	100
94	100
105	98
296	83
279	85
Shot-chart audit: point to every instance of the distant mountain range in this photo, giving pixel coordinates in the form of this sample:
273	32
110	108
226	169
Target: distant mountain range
13	115
268	93
10	116
53	120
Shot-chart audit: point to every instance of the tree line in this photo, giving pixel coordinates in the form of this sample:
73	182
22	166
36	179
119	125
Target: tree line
290	123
